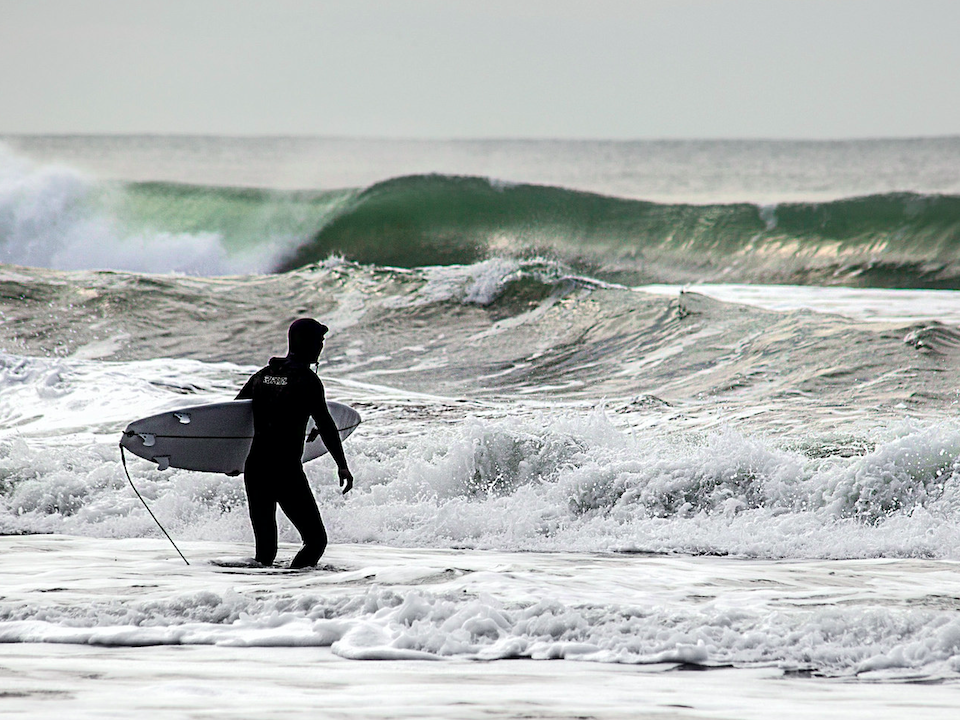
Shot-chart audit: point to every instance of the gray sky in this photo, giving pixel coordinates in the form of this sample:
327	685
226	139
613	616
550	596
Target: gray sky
488	68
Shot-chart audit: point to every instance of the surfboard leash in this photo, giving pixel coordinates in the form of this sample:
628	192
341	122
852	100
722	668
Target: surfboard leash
123	459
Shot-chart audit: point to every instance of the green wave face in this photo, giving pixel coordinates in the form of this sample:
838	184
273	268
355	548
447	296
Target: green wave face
893	240
440	220
244	217
887	240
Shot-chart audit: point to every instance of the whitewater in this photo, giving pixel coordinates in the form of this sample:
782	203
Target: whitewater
637	409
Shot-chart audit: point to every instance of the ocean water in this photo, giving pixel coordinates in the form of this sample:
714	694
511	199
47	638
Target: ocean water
642	407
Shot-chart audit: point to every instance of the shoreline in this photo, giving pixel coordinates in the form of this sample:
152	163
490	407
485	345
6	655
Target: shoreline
198	682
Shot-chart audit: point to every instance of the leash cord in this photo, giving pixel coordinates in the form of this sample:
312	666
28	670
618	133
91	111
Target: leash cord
123	459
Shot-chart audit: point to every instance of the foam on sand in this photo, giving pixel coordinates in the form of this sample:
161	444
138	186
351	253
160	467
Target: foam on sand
869	619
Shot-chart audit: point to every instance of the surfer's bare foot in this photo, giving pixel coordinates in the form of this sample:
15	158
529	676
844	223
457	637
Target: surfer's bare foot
247	562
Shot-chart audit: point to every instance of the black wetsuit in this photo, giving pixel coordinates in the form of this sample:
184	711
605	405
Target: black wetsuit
285	394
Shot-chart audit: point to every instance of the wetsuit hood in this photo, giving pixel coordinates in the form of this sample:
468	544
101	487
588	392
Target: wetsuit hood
305	340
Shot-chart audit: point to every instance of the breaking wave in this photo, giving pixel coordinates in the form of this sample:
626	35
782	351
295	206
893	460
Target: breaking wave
552	481
56	218
893	240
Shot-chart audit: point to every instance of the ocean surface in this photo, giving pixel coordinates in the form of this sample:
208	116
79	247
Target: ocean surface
655	406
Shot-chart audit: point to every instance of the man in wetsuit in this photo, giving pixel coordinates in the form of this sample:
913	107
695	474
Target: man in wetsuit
285	394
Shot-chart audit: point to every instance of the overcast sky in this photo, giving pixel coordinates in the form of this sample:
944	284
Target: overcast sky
488	68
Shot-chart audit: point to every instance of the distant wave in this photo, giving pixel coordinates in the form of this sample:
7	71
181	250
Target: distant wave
892	240
57	218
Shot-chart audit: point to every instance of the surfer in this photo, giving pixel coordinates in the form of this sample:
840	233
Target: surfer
285	394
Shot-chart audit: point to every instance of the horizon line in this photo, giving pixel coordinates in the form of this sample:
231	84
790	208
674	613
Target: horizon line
476	139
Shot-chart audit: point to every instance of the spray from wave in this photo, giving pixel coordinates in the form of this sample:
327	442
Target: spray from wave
55	217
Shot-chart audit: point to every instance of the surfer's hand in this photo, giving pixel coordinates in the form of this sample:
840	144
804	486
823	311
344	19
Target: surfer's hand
346	480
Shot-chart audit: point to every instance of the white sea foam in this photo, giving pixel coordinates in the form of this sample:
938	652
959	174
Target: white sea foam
478	284
870	618
866	304
525	477
51	216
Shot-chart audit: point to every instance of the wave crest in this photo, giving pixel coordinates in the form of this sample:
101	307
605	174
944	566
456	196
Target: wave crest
893	240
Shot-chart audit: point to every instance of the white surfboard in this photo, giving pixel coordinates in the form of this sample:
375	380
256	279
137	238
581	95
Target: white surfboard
216	437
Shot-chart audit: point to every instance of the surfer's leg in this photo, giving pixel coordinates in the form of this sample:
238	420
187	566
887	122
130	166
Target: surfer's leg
298	503
263	517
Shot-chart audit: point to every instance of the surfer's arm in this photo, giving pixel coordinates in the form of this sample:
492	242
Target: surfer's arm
331	437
